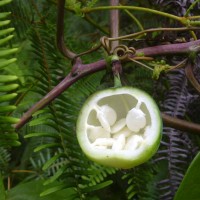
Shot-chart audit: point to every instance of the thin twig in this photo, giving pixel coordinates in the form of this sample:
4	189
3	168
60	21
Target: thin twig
9	183
60	32
147	10
96	25
178	66
152	30
190	76
180	124
134	19
141	64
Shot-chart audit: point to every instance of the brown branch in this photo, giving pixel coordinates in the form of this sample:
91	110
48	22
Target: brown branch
180	124
114	23
190	76
180	48
60	32
80	70
114	32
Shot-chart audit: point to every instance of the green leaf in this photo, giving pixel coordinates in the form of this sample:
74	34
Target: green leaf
9	143
7	108
7	52
4	14
97	187
130	196
42	134
9	120
32	190
74	4
4	2
6	39
4	63
71	191
2	189
6	31
5	22
8	88
9	136
41	120
52	160
189	187
56	175
44	146
7	97
7	78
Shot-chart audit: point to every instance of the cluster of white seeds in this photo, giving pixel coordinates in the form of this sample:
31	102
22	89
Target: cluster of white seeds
118	134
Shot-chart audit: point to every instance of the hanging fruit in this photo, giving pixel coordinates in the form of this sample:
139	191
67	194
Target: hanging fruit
119	127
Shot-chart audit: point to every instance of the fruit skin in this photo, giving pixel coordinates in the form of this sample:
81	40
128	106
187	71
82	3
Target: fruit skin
119	159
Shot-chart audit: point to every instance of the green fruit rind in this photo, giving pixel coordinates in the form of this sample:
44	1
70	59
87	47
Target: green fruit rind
120	159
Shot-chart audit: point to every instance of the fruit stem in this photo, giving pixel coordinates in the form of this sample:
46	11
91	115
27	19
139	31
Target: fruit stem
117	81
117	70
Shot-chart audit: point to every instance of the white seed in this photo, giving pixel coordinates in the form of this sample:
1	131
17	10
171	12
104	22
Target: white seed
119	125
95	132
103	121
103	142
106	116
125	131
135	119
133	142
119	143
109	114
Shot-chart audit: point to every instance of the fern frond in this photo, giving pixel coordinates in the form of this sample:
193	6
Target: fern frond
8	84
61	120
177	149
139	182
21	13
4	159
92	3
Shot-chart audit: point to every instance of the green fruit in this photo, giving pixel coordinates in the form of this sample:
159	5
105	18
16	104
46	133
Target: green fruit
119	127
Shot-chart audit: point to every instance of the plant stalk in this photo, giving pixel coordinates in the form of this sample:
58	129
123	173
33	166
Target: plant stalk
164	14
181	48
180	124
60	32
80	70
114	23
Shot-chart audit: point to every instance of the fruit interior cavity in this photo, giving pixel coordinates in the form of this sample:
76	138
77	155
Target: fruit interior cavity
119	123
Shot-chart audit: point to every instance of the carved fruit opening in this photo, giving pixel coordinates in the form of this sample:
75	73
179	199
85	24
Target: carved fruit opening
119	127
